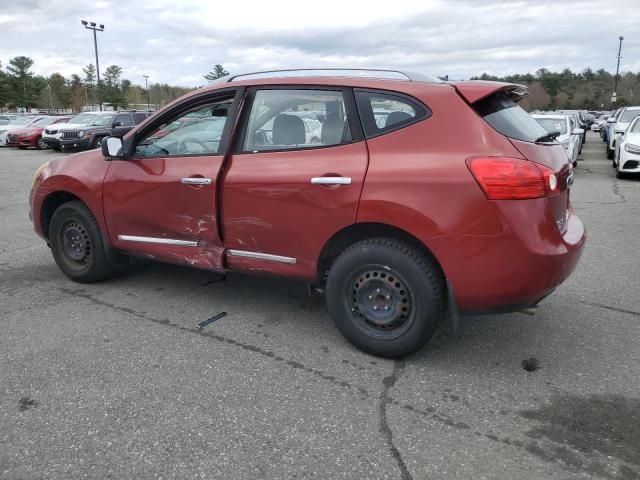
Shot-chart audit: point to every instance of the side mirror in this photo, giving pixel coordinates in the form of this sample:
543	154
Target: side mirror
117	123
112	147
611	120
577	131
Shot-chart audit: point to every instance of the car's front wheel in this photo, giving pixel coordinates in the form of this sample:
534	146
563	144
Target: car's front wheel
41	144
386	297
77	244
97	143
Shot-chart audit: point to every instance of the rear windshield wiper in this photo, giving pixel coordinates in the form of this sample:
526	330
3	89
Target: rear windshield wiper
547	137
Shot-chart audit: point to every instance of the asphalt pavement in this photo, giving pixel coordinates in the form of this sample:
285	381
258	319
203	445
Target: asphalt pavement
115	380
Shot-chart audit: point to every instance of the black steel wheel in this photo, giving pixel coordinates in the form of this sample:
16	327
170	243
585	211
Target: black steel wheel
382	301
77	243
386	297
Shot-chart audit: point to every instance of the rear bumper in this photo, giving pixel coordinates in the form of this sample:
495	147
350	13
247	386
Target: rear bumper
515	269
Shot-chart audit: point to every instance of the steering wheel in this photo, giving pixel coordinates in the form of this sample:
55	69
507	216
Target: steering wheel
182	147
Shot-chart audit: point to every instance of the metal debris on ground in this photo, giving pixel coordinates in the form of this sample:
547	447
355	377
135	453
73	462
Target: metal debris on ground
209	321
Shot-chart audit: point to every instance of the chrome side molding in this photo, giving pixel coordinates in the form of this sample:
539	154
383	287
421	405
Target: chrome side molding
162	241
262	256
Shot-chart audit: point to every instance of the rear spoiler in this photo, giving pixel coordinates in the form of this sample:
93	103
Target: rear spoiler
475	90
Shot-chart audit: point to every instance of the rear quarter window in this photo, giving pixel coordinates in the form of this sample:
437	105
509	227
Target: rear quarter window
383	112
508	118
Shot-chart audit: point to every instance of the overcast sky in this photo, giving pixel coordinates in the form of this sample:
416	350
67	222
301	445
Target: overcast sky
177	41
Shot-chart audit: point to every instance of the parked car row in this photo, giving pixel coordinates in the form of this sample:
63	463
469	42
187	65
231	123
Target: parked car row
66	132
623	140
568	127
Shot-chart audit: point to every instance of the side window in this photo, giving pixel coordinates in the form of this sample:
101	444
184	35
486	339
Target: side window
193	132
125	120
296	119
139	117
383	112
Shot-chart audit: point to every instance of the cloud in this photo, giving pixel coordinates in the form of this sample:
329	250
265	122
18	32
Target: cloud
178	42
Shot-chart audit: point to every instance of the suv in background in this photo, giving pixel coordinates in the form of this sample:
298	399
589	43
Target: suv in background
104	124
52	134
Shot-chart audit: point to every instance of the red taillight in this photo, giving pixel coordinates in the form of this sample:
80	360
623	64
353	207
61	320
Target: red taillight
503	178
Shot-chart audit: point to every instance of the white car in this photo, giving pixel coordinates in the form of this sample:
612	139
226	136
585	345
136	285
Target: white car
627	156
18	122
618	129
53	133
570	137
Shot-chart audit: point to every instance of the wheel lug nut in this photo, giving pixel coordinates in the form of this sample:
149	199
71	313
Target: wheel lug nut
377	290
370	297
375	307
388	297
387	307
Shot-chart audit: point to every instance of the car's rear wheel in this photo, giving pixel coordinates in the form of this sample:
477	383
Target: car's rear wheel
41	144
97	143
77	244
386	297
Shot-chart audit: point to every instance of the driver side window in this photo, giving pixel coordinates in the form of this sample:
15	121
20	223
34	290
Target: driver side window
195	132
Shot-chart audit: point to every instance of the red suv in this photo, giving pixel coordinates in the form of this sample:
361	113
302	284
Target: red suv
401	195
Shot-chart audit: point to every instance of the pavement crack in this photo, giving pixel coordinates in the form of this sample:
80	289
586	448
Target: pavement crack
609	307
615	189
229	341
388	382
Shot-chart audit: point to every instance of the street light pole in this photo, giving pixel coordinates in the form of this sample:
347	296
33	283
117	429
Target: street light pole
95	28
146	87
50	98
615	80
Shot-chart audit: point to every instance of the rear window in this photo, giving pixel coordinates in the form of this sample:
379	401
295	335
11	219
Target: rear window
139	117
509	119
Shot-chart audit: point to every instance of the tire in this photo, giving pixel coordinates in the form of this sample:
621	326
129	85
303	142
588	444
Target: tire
386	297
575	164
41	144
610	153
97	143
77	244
22	148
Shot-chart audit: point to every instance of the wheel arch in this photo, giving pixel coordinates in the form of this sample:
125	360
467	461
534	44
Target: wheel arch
51	203
357	232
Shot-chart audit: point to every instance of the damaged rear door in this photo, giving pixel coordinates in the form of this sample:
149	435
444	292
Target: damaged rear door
160	201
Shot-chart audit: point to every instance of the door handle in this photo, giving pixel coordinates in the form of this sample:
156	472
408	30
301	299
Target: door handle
331	181
196	181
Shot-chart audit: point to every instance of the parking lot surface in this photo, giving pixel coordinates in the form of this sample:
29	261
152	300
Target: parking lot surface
114	380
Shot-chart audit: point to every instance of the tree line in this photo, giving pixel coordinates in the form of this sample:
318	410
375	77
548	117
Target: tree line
548	90
21	89
587	90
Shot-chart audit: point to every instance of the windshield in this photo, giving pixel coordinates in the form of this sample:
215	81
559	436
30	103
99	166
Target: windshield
22	121
509	119
628	115
44	122
102	120
553	124
83	118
